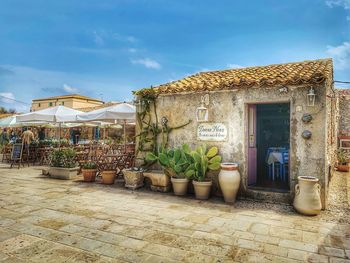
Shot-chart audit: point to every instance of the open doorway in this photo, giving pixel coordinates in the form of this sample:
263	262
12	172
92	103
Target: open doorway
268	146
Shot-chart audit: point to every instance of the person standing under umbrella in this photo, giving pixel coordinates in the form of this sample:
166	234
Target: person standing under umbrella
27	137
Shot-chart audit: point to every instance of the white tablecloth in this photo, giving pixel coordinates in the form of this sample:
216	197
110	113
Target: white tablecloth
275	157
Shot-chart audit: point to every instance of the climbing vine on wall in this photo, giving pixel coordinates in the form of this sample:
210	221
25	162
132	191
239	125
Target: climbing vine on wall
149	126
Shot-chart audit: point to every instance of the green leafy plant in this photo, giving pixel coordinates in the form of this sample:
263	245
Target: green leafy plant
176	162
65	158
204	161
343	156
90	166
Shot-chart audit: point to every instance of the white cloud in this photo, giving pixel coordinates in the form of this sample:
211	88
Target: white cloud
132	50
70	89
234	66
98	39
123	38
348	18
343	3
147	62
341	55
7	97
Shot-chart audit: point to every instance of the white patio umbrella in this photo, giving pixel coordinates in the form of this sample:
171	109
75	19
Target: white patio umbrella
8	121
121	112
12	122
58	114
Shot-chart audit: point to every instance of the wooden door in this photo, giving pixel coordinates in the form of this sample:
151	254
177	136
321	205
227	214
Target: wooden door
252	149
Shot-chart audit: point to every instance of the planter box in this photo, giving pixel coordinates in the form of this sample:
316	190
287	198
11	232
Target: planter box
344	137
343	167
133	179
160	181
63	173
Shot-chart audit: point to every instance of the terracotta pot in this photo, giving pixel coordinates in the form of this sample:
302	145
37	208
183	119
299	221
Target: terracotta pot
89	174
108	177
202	189
179	185
229	180
133	179
343	167
307	198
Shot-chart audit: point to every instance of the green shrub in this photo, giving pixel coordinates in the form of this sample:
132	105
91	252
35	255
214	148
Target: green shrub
90	165
182	162
65	158
174	161
204	161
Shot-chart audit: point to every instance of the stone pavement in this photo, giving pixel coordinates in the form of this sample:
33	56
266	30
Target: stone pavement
48	220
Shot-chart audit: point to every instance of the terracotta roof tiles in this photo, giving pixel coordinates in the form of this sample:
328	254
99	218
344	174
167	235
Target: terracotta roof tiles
296	73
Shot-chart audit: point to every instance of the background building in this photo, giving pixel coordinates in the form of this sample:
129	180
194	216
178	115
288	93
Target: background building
74	101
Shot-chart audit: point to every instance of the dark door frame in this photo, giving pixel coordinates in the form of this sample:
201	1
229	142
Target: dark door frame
247	142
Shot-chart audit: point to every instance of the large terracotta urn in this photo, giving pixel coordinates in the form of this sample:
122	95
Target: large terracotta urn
229	180
307	200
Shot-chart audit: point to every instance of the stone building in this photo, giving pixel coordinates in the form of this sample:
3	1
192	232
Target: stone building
246	112
344	110
74	101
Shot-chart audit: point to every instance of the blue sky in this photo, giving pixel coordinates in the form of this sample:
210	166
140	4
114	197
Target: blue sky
109	48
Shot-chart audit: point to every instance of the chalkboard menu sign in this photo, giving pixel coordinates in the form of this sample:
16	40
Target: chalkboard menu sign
17	149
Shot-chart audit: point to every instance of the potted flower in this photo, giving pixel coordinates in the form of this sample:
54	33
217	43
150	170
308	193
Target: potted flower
63	164
178	165
133	178
343	160
89	171
203	161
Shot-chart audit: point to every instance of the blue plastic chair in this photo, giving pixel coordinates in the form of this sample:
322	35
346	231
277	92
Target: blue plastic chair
285	165
278	170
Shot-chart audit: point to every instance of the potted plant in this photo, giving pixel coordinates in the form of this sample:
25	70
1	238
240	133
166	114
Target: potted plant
343	160
177	165
89	171
160	181
109	172
133	178
203	161
63	164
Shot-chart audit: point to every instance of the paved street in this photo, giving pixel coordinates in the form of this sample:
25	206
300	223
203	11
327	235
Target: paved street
47	220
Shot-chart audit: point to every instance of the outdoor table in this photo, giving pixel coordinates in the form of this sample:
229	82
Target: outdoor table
81	158
275	156
45	155
6	157
114	162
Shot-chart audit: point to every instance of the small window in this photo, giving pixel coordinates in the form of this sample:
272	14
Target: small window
62	103
50	104
39	105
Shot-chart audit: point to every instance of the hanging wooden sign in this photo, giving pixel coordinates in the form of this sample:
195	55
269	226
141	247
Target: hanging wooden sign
212	132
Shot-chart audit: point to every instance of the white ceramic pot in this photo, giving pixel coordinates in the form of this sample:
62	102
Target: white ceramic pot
307	198
229	180
180	185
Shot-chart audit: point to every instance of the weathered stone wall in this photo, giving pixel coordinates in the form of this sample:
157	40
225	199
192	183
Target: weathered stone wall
344	115
307	157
